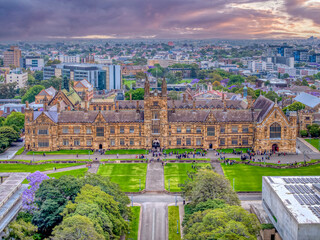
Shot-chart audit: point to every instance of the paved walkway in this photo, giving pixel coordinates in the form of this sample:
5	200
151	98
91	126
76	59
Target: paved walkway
11	151
94	168
217	168
64	169
155	177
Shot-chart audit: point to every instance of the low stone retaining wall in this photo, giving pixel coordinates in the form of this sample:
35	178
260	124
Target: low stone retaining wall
39	163
275	166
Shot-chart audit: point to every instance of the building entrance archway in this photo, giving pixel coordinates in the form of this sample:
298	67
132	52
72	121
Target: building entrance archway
275	148
210	146
100	146
156	143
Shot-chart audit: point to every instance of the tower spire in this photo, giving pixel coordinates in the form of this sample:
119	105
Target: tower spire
164	87
146	87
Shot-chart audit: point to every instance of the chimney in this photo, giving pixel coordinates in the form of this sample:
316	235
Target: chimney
184	98
173	106
137	108
117	106
194	105
58	106
45	103
224	103
27	104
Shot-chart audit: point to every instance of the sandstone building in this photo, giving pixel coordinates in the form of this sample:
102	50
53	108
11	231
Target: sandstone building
159	122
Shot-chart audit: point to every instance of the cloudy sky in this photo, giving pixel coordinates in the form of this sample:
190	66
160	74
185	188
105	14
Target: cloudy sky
196	19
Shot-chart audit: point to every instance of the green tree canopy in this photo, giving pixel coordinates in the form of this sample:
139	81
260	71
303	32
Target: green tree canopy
20	229
207	185
227	223
137	94
7	91
15	120
76	228
235	79
296	106
31	93
9	133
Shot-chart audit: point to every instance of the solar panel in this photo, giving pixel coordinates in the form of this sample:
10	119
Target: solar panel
298	199
286	180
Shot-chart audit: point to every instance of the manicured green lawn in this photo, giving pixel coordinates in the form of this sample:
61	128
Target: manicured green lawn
190	159
230	150
249	178
128	83
177	173
314	142
173	217
20	151
127	175
76	173
180	150
18	167
134	223
62	152
126	151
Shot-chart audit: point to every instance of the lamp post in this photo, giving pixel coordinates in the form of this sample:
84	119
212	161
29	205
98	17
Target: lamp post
140	184
169	184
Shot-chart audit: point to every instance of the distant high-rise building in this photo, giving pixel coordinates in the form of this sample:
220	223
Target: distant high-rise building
18	77
301	55
32	62
99	76
12	57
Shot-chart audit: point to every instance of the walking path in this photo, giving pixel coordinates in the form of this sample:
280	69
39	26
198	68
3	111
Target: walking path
64	169
94	168
155	177
11	151
217	168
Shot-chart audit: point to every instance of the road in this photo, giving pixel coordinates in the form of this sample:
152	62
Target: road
154	219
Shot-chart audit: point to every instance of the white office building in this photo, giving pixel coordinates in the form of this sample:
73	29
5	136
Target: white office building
114	77
17	76
69	59
293	205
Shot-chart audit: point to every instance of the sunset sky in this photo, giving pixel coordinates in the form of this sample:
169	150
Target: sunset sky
170	19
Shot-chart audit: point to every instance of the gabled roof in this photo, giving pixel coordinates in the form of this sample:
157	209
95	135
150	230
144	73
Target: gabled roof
264	105
72	95
307	99
50	114
84	83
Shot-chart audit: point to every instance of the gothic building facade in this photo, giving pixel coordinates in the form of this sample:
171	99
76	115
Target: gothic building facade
159	122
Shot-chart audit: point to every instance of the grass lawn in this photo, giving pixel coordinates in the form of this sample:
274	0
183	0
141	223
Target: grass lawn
249	178
126	151
62	152
12	167
134	223
177	173
180	150
128	83
230	150
173	217
20	151
190	159
76	173
127	175
314	142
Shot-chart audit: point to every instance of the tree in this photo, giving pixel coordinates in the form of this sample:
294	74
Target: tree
174	95
101	209
140	75
272	96
22	230
50	199
137	94
305	82
38	75
314	130
2	119
226	223
9	133
31	93
216	84
303	133
208	185
50	62
296	106
8	90
234	79
76	227
55	82
252	79
178	75
286	75
110	188
15	120
31	80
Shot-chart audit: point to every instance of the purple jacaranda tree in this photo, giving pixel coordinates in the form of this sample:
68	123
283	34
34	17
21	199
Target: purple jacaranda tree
35	179
194	81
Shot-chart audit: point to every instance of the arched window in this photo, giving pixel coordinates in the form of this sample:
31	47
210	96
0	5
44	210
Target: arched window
275	130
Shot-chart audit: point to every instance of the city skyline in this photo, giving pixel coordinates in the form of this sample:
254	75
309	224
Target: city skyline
99	19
